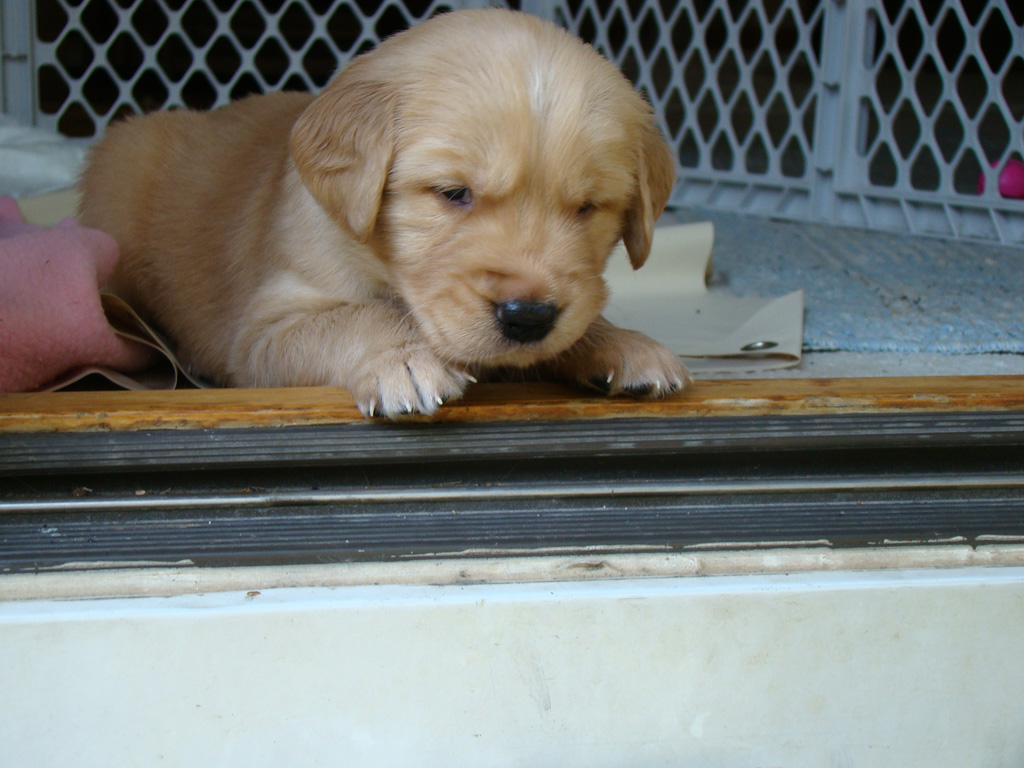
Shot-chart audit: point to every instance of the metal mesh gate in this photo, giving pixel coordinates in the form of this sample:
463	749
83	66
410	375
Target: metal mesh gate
100	59
889	114
879	113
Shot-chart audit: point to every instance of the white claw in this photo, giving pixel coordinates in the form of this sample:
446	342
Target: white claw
611	375
439	400
372	407
470	378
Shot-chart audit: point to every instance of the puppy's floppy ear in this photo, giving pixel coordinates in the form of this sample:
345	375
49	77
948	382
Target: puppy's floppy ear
343	144
656	175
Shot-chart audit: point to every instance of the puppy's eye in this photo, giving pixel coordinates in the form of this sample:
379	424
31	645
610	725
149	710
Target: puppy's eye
585	210
460	196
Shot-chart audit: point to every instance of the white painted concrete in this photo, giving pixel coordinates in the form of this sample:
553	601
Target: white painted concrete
900	668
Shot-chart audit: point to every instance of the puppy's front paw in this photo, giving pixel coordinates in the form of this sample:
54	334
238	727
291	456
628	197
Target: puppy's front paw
617	361
636	365
404	380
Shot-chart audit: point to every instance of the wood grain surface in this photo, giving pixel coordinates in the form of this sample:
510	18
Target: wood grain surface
192	409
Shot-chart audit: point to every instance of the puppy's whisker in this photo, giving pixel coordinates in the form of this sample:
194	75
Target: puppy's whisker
414	312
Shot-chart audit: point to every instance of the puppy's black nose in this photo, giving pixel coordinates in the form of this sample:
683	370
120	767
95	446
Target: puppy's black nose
525	321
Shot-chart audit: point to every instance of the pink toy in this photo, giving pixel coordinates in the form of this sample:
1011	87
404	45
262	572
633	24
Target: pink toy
1011	179
51	320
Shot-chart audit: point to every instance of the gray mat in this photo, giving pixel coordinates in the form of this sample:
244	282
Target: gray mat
876	292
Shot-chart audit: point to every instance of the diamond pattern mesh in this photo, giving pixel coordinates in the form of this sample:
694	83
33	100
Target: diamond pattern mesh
733	82
894	114
100	59
946	97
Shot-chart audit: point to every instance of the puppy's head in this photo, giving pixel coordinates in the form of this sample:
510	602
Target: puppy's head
492	161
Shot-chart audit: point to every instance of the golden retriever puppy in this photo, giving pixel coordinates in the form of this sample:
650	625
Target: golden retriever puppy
443	208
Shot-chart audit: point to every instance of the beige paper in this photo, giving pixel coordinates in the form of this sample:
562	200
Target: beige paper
668	299
164	372
49	208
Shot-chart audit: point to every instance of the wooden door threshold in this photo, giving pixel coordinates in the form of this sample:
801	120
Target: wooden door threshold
234	408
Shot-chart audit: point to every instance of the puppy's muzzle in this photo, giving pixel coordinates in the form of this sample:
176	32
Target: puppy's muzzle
525	321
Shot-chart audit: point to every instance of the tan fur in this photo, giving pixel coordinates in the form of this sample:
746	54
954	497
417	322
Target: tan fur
290	240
